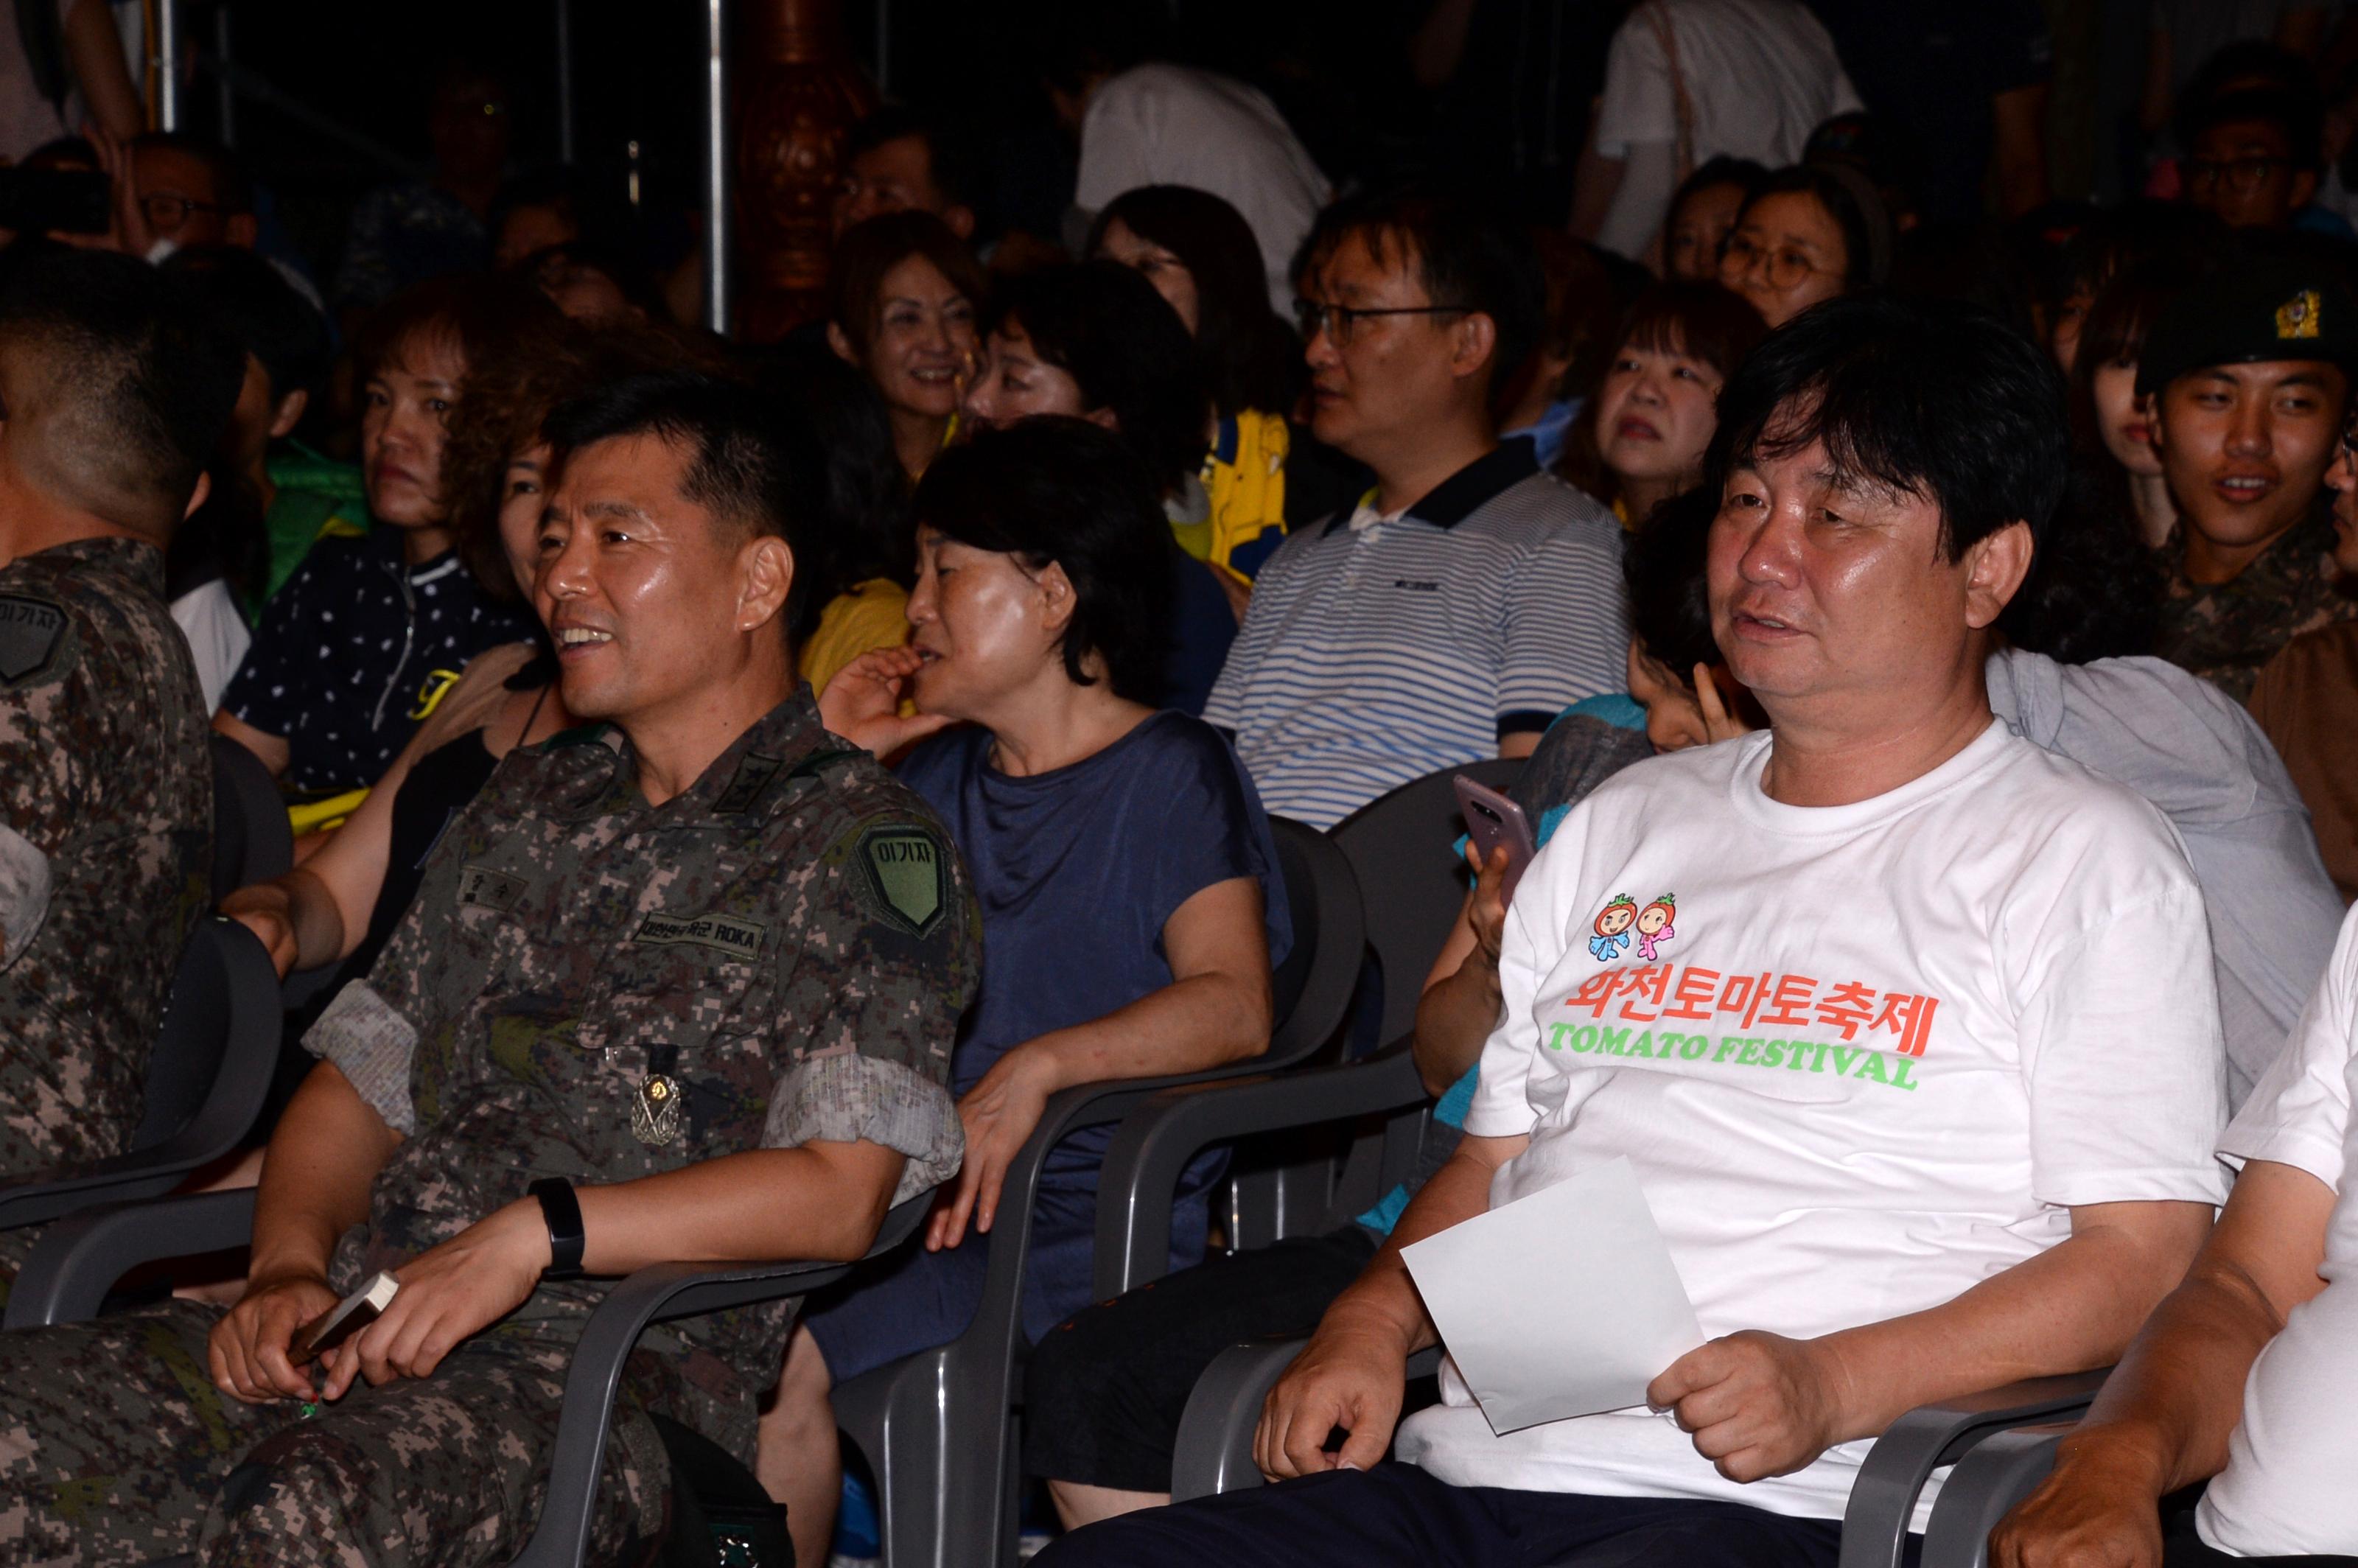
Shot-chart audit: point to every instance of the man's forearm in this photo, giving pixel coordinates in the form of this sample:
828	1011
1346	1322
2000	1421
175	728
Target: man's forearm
822	1202
1383	1298
316	1175
2072	1308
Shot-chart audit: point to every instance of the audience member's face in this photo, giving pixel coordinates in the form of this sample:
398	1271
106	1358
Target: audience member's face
1826	589
2343	479
1786	255
403	412
2246	447
637	583
583	291
925	340
521	499
1691	241
1015	382
534	226
1655	413
892	177
1158	265
180	201
2123	419
2243	171
2063	334
1396	375
985	627
258	418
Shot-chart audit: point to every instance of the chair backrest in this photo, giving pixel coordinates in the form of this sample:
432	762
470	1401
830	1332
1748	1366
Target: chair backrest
1412	885
225	998
251	841
1312	990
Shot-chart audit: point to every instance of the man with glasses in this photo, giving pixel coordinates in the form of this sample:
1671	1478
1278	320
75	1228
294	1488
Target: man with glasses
2249	379
190	193
2253	159
1468	597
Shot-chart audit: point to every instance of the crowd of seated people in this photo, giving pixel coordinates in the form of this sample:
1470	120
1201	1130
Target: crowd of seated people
735	788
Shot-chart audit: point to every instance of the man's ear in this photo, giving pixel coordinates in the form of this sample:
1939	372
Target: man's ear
197	496
1058	599
289	413
842	345
2148	409
239	228
1104	419
767	566
1472	338
1994	568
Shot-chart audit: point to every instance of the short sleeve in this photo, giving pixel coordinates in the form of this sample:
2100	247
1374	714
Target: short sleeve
1529	949
1211	830
888	954
1639	104
43	788
1118	138
2300	1110
268	689
2125	1068
1567	634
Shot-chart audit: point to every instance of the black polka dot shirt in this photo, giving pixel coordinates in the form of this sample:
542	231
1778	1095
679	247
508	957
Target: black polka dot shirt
350	646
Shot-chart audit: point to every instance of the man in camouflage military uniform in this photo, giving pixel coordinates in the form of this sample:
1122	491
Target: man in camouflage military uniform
2250	377
114	398
700	965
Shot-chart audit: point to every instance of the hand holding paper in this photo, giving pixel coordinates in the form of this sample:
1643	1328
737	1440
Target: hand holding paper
1580	1263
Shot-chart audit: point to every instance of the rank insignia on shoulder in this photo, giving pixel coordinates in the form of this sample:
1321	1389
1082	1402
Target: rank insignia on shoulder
30	631
488	889
907	875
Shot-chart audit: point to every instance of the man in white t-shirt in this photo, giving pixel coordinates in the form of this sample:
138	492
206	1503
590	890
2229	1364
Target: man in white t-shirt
2248	1376
1747	79
1920	1079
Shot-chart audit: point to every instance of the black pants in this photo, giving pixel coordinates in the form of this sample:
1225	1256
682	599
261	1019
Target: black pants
1106	1387
1397	1514
2182	1548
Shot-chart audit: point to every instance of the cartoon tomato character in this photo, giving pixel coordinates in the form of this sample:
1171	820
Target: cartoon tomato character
1654	925
1612	927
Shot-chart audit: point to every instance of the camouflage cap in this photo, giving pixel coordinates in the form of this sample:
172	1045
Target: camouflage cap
2274	308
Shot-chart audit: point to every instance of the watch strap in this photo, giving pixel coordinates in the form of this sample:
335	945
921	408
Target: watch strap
562	1210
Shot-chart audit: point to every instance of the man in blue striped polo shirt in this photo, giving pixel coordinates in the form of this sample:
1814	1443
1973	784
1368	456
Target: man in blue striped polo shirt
1470	598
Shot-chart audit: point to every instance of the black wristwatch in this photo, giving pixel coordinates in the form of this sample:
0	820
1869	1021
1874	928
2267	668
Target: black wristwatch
562	1210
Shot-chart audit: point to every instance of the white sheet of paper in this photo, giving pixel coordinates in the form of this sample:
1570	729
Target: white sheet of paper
1562	1303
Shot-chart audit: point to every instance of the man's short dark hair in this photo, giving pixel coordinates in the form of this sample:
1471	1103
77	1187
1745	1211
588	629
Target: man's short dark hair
1465	254
1058	489
2299	115
1127	351
232	190
134	383
247	297
1927	397
751	463
953	156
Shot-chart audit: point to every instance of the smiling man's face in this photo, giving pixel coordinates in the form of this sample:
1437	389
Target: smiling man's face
2245	448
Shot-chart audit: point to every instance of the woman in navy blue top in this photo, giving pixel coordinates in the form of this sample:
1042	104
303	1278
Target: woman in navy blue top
1131	902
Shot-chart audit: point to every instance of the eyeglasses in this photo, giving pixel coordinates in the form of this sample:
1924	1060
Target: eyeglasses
1341	323
166	213
2242	175
1787	268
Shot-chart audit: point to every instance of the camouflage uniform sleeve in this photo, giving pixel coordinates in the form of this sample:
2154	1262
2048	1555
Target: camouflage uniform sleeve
50	731
889	955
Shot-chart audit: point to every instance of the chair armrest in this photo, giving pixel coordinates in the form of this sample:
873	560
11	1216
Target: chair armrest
1157	1139
1214	1450
78	1257
1883	1499
1984	1488
651	1295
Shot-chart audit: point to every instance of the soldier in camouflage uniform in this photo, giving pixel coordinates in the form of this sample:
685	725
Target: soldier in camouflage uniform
703	962
2250	378
112	401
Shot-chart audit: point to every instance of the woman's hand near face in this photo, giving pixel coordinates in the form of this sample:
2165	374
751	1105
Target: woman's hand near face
862	702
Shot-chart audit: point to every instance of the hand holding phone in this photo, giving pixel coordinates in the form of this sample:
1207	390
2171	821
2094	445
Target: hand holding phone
1494	821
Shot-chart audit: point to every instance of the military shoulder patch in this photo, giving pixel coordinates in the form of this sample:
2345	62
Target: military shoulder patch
908	875
30	633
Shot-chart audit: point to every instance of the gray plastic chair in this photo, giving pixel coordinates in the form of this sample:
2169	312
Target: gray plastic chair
937	1427
253	840
74	1264
207	1078
1412	885
1997	1465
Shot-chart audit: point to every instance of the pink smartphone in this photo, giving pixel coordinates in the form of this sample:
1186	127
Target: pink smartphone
1492	820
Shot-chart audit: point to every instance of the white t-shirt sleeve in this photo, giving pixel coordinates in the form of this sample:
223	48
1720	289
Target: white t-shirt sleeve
1529	948
2285	1490
1639	104
218	636
2121	1048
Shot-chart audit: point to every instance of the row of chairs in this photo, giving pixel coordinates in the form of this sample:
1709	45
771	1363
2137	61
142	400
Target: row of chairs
1319	1137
